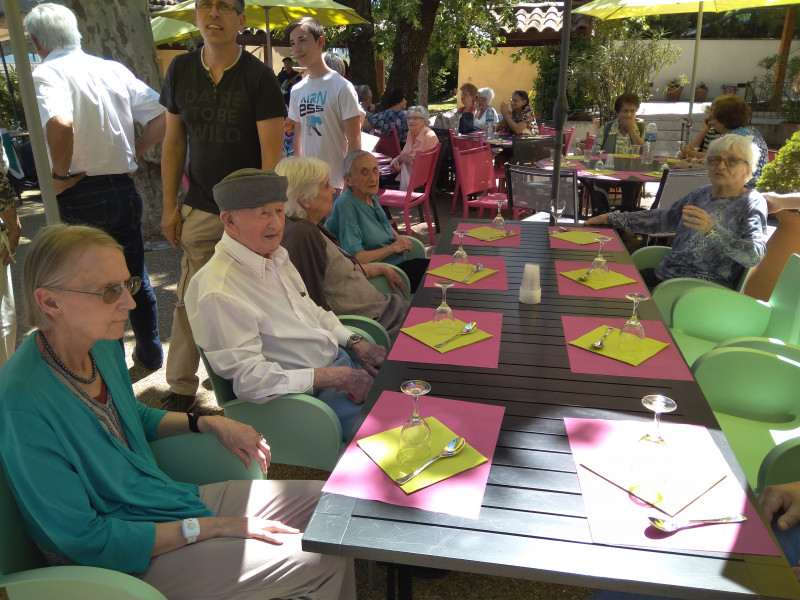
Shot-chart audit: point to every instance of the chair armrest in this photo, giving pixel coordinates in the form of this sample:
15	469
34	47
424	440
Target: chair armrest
719	314
382	285
649	256
375	330
665	293
417	249
770	345
76	583
201	459
780	464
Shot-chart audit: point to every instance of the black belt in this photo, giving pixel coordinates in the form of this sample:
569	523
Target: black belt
118	177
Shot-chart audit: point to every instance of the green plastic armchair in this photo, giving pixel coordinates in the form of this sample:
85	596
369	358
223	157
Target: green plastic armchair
648	257
780	465
754	396
368	328
382	285
23	570
704	317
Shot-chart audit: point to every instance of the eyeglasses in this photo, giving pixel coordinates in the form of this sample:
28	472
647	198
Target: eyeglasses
223	8
111	293
730	161
413	118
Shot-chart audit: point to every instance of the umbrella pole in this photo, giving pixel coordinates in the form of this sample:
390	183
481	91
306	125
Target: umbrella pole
560	108
694	65
269	37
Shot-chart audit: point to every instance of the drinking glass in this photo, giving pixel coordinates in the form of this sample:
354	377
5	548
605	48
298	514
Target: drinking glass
499	222
599	267
631	335
443	316
557	207
658	404
415	436
460	258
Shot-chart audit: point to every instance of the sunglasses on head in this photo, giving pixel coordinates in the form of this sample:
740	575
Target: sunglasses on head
111	293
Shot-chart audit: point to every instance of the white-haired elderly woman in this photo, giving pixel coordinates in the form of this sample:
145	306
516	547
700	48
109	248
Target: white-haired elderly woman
719	228
334	279
421	138
484	108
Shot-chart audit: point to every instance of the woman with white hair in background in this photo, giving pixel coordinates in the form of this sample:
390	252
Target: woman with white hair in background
334	279
421	138
484	109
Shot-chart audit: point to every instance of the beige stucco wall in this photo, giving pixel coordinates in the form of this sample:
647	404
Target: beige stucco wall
496	71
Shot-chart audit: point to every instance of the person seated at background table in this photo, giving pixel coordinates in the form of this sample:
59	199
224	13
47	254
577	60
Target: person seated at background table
421	138
700	142
469	94
617	137
520	118
392	113
74	448
365	98
334	279
731	115
363	229
252	315
719	228
484	102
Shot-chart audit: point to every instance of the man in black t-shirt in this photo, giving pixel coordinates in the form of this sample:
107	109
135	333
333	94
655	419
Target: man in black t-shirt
287	78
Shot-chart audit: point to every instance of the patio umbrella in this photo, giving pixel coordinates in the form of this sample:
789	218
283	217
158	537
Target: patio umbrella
276	14
622	9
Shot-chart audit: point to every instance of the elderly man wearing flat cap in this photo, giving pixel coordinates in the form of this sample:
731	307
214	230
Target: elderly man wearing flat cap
250	311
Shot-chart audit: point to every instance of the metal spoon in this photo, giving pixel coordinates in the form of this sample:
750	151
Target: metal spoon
599	343
475	269
670	525
453	447
585	276
469	328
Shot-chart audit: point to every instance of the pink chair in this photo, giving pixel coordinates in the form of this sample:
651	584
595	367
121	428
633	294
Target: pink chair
475	171
388	144
422	174
463	142
568	133
545	130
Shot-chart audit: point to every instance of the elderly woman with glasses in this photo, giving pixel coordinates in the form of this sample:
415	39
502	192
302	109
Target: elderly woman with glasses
421	138
520	118
719	228
334	279
75	452
484	102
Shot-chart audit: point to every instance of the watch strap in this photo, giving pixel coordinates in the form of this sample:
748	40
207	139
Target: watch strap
61	177
193	422
190	528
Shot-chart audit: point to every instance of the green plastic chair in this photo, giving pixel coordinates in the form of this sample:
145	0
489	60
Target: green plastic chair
287	422
648	257
754	396
23	570
382	285
368	328
702	318
780	465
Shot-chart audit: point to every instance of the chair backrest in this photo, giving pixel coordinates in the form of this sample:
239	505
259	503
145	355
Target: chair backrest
780	464
529	188
466	142
475	170
568	134
423	169
223	388
18	552
388	144
784	321
528	150
676	183
546	130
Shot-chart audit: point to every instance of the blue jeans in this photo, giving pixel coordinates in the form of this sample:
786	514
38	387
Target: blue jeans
110	202
337	399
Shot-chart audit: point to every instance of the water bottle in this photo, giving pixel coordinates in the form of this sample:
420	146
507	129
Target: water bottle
490	123
650	135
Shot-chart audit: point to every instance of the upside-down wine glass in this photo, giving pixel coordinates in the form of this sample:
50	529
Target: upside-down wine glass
443	317
599	266
499	222
632	333
557	207
658	404
460	258
415	436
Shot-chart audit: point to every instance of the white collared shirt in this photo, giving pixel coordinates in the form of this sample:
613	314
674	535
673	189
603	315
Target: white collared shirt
102	98
257	324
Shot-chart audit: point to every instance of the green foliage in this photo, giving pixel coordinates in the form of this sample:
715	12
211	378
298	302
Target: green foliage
6	108
782	175
747	23
677	82
763	85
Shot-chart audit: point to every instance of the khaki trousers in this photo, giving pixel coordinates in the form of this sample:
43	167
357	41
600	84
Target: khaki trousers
8	313
200	234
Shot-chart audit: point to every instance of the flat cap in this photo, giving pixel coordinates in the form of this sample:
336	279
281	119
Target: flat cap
250	188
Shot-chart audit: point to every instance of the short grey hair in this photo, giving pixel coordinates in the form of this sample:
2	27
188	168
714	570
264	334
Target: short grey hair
54	27
421	110
335	62
304	175
741	145
487	93
363	91
350	159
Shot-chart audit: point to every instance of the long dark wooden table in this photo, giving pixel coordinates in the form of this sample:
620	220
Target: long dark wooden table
532	523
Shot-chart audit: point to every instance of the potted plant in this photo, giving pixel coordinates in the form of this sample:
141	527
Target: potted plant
700	92
728	89
674	87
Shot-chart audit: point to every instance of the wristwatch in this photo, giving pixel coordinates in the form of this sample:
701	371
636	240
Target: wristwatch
190	529
61	177
353	340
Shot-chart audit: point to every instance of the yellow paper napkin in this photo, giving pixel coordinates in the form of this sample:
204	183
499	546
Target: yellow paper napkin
382	448
603	172
599	281
430	333
653	174
579	237
459	273
626	156
646	348
487	234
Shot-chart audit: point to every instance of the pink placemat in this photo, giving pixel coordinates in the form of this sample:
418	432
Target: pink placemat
485	354
498	281
357	476
508	242
569	287
617	518
615	245
667	364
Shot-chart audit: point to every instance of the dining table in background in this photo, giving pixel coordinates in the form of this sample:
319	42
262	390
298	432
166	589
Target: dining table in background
533	523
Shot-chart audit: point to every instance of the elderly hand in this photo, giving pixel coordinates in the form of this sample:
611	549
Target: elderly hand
394	280
504	106
241	439
696	218
401	245
371	356
250	528
785	498
172	225
598	220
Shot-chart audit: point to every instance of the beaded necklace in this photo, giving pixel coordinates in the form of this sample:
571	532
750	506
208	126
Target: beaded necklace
52	354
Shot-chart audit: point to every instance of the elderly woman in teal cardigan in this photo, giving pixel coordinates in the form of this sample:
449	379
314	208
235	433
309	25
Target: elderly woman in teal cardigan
74	448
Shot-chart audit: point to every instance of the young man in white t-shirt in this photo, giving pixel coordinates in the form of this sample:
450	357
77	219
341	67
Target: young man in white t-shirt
324	105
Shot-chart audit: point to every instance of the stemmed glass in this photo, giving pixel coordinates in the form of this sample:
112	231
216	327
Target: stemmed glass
460	258
415	436
658	404
632	333
599	267
499	222
557	207
443	316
